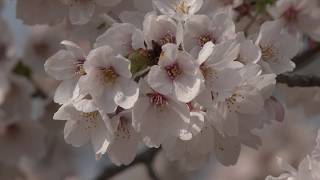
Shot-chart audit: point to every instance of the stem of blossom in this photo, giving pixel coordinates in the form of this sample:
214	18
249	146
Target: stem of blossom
295	80
145	158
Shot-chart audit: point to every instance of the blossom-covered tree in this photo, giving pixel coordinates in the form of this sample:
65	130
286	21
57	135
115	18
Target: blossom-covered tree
195	79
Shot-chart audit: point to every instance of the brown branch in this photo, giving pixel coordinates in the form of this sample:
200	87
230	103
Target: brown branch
294	80
306	57
145	158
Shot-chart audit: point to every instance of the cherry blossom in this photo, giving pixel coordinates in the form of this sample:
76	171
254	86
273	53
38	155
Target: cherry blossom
67	66
124	146
157	117
161	30
200	29
123	38
298	16
178	9
277	48
83	127
108	80
81	11
176	75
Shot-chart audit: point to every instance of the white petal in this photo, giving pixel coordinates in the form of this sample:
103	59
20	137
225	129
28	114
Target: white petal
81	12
75	134
205	52
158	80
100	138
61	66
105	102
122	66
169	56
251	101
75	49
227	149
127	93
132	17
64	91
186	88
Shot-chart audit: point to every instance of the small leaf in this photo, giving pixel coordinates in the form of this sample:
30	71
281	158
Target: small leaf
139	61
22	70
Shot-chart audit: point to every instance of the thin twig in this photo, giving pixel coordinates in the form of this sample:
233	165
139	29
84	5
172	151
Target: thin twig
294	80
145	158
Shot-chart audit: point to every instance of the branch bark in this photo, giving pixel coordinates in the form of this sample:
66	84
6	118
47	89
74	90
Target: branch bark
295	80
306	57
145	158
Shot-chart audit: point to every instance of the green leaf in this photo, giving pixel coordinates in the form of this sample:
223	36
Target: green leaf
22	70
139	61
261	5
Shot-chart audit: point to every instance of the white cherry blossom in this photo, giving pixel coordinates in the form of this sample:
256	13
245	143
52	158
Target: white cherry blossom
161	30
218	67
200	29
277	48
157	117
249	51
123	38
81	11
298	16
192	153
66	66
178	9
247	97
108	80
84	127
124	146
176	75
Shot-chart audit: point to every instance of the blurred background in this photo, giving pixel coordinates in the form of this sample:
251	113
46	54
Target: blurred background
42	154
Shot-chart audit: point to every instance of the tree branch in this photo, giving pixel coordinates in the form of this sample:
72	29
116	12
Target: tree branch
145	158
293	80
306	57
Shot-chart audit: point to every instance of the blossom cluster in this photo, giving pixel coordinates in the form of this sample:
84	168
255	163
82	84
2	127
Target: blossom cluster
175	74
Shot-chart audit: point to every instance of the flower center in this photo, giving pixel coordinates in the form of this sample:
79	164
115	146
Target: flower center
182	7
90	119
291	15
269	53
173	71
110	75
167	38
79	67
203	39
158	100
232	102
